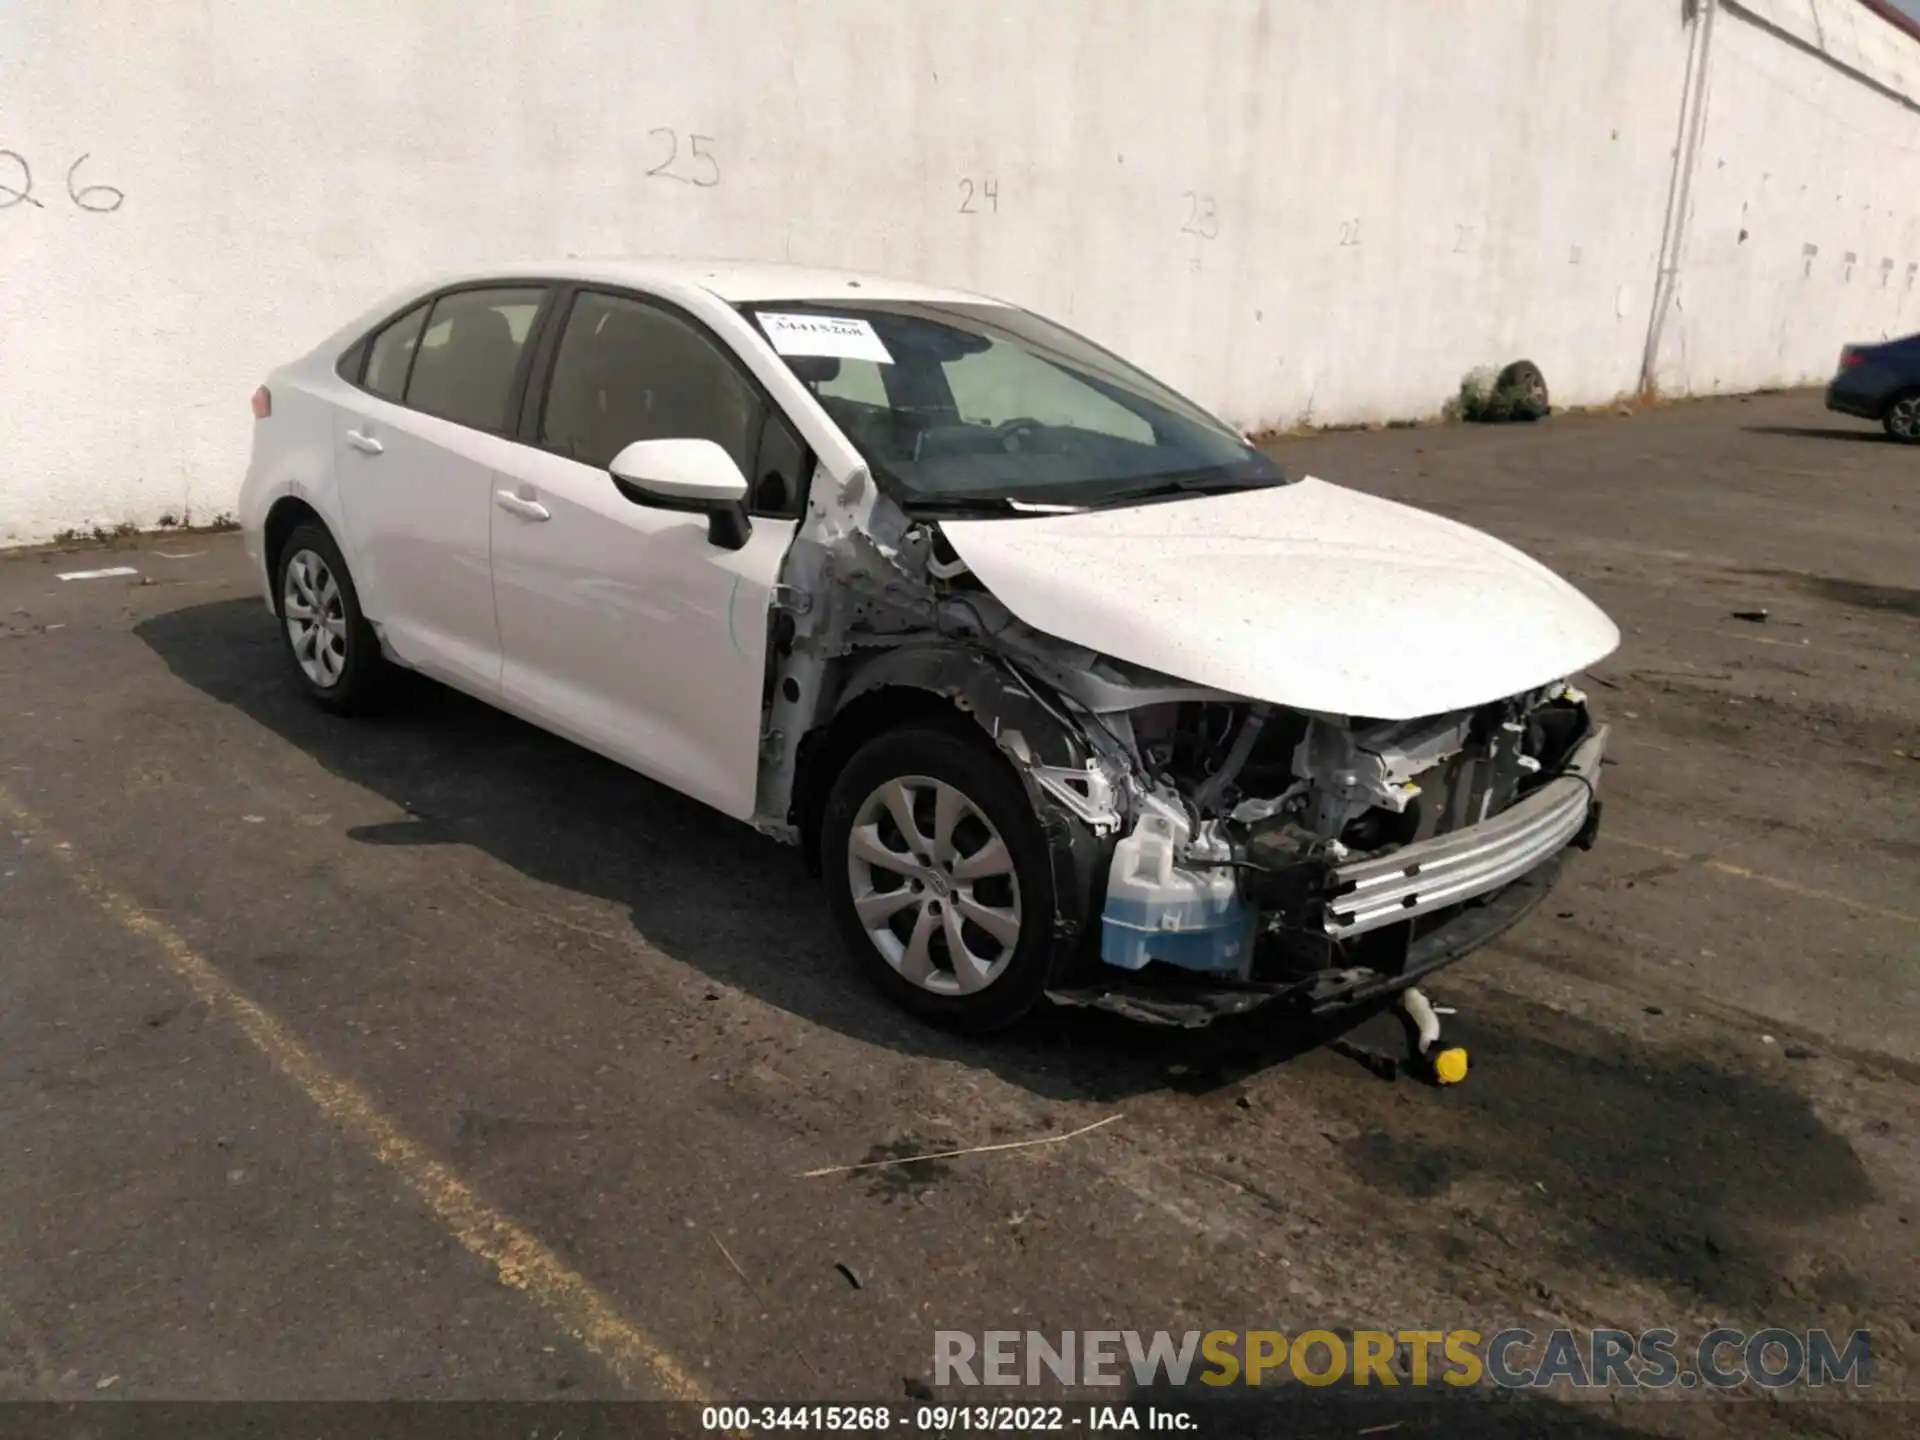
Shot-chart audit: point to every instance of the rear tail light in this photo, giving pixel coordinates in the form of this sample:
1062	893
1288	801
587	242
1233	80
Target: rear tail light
262	403
1849	357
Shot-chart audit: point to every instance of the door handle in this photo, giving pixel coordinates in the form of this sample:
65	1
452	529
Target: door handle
519	505
364	443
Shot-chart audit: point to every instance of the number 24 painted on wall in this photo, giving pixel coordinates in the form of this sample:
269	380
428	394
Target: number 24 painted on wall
17	188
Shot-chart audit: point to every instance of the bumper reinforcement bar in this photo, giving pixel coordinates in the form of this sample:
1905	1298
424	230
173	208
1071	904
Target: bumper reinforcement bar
1433	874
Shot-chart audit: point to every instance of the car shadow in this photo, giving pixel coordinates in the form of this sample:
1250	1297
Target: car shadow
1720	1165
1822	432
705	889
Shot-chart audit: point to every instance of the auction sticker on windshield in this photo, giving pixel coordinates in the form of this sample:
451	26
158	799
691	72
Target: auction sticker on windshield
824	335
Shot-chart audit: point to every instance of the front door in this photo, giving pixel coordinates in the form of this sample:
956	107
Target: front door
623	626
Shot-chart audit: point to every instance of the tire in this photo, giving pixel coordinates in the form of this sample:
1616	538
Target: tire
336	658
1902	420
1526	389
922	768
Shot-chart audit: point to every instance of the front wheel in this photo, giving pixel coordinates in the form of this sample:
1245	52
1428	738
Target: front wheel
1903	418
938	875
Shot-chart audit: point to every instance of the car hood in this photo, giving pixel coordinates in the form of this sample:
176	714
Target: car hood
1306	595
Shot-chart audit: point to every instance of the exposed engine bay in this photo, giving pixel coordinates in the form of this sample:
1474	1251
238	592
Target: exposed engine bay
1245	830
1231	851
1289	804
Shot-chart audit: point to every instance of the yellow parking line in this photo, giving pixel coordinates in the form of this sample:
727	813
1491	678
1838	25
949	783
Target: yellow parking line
1791	887
521	1261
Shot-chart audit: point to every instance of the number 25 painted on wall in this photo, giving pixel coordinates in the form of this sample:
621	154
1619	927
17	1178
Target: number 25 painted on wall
677	167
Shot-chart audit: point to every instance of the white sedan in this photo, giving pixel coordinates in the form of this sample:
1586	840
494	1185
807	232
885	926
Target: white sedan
1066	689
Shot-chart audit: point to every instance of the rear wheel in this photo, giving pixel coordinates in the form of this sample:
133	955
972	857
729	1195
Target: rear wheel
1902	419
938	876
334	651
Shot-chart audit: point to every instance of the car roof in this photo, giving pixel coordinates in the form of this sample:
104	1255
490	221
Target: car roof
737	282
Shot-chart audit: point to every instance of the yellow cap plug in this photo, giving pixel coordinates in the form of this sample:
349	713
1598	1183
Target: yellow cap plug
1450	1065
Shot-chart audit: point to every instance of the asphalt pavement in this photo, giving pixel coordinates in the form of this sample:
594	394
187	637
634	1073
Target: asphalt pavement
430	1056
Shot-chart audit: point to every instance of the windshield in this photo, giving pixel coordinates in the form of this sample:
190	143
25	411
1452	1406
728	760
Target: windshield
980	405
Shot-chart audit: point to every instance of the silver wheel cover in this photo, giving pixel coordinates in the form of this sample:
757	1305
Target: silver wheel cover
934	885
1904	420
316	617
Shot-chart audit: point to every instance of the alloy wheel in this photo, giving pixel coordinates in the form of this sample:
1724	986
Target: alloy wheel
1904	419
933	885
316	618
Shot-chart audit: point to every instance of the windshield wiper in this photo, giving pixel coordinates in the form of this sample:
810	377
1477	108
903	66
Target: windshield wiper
1209	482
1192	482
959	505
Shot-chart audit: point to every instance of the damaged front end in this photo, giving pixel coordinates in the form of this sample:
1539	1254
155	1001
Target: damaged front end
1329	862
1210	854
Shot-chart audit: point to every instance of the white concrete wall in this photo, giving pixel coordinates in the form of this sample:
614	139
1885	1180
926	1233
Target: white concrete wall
1803	231
1320	210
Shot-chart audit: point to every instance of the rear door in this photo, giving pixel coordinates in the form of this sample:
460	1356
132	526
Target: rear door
624	627
415	451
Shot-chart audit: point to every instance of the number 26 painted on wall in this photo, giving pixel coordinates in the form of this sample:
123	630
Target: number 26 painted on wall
16	187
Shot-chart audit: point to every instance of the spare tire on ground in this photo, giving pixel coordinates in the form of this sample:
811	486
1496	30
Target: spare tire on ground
1521	392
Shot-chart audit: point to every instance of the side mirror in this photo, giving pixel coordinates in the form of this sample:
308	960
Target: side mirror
695	476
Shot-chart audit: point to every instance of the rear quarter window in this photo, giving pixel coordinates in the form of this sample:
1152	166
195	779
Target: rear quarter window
390	353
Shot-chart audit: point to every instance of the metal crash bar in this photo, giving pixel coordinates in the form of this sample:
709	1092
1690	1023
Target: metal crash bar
1447	869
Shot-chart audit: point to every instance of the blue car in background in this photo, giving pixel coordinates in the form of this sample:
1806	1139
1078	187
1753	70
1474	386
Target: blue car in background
1881	382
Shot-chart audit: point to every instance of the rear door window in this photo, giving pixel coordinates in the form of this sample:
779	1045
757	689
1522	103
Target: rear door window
469	356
